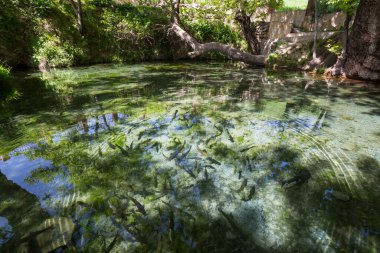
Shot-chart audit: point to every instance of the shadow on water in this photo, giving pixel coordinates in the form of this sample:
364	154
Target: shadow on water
185	159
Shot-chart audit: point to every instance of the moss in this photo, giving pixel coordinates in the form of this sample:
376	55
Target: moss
221	150
276	60
4	75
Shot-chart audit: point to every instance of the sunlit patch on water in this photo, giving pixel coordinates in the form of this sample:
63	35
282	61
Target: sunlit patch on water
194	160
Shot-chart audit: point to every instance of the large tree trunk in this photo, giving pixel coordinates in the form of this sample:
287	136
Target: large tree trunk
310	8
249	31
308	13
346	32
77	6
315	31
200	49
337	69
363	51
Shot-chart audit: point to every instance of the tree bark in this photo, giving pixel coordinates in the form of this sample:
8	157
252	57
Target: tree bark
78	13
315	31
363	50
249	31
308	13
200	49
310	8
337	69
346	32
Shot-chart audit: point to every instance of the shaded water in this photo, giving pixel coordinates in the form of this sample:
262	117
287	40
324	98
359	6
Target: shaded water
189	158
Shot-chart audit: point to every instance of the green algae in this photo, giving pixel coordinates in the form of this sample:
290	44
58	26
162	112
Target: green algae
110	134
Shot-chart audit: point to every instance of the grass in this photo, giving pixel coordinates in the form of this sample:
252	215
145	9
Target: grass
292	5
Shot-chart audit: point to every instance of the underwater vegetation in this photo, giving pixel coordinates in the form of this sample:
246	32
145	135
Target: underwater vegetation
147	159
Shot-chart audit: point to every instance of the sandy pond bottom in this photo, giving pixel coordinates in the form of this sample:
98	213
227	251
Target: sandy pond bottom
188	157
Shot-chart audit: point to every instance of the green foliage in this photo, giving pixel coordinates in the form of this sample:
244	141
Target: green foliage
334	47
330	6
56	53
4	74
100	3
276	60
207	31
16	32
348	6
251	6
41	7
320	70
7	92
132	33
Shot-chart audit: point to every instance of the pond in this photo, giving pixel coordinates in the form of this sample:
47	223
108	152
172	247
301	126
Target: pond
188	157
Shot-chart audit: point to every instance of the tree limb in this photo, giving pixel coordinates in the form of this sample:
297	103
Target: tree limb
200	49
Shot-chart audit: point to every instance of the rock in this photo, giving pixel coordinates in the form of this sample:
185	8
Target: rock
340	196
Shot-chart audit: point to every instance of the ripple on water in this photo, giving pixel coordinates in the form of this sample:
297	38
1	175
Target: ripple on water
177	156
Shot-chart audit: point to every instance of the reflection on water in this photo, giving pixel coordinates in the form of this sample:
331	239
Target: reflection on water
5	230
190	157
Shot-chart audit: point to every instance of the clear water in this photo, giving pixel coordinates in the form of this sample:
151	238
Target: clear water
189	157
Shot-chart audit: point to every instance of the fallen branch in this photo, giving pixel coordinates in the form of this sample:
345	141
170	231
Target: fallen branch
200	49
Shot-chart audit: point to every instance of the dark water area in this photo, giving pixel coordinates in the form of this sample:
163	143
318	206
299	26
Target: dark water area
189	157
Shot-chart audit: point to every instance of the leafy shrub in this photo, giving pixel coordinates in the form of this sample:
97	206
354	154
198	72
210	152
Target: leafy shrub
133	32
56	53
4	74
101	3
7	92
207	31
334	47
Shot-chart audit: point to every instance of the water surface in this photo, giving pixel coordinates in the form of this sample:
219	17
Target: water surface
189	157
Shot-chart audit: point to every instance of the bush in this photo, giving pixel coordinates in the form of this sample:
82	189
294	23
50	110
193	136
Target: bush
334	47
101	3
56	53
207	31
4	74
7	92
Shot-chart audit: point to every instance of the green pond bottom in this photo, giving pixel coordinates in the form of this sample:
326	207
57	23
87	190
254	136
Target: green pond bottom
189	157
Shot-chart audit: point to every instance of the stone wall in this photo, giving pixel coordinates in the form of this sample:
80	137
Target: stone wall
279	30
327	22
283	23
293	17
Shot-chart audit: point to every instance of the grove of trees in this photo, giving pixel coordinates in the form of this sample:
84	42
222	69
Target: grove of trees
63	33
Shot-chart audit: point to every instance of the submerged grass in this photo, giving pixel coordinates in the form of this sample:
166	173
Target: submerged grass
194	159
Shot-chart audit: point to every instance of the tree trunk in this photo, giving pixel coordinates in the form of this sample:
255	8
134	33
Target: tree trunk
337	69
78	13
363	50
200	49
249	31
346	32
308	13
310	8
315	31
